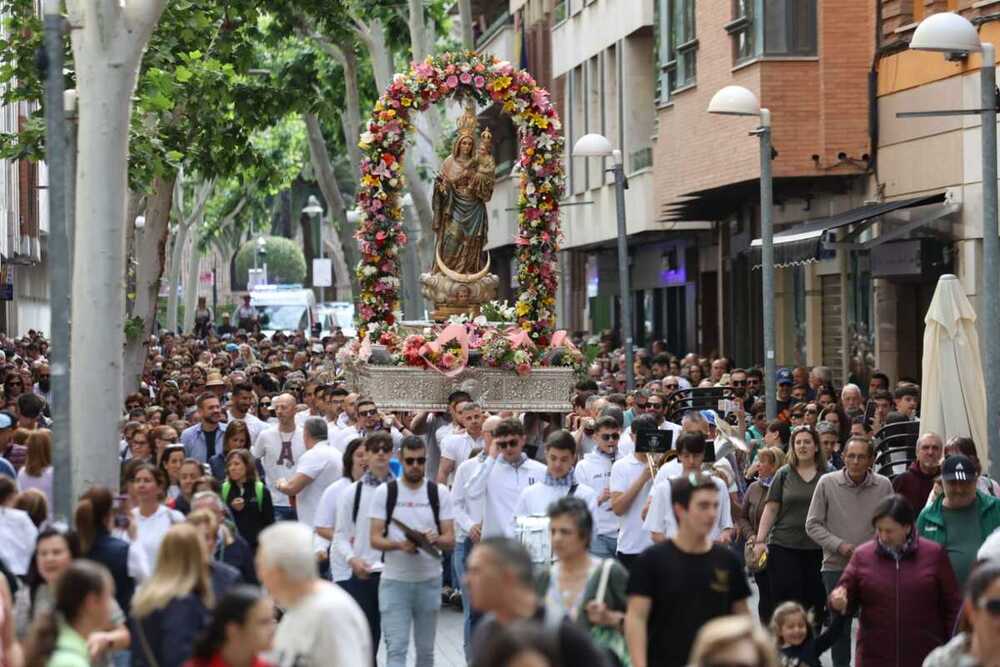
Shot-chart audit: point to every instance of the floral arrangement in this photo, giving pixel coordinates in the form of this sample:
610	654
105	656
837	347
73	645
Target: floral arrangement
498	311
485	79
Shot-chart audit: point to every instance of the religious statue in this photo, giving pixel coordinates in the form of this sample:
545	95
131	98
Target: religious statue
460	280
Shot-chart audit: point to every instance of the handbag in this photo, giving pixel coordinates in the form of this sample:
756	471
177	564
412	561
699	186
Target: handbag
610	639
754	565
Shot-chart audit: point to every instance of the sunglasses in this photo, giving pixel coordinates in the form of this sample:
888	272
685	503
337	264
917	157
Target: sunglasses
812	411
366	413
415	460
797	415
671	386
654	406
991	606
386	449
739	383
641	406
608	437
504	444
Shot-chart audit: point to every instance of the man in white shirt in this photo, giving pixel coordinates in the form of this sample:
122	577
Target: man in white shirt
350	414
631	482
457	447
309	398
369	421
435	427
351	537
499	481
469	524
287	568
333	406
278	447
239	410
320	466
594	470
410	590
558	482
661	521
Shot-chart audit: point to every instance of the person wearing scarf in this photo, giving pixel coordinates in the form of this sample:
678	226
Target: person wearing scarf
559	480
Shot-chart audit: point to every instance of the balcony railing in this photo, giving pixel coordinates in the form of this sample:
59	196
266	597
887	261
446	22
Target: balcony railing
640	159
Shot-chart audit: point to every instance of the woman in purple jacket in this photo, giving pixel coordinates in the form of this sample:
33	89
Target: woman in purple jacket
906	589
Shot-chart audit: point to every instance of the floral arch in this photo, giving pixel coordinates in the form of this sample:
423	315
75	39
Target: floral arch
484	78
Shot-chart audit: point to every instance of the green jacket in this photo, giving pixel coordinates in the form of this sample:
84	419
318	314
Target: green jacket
71	649
930	523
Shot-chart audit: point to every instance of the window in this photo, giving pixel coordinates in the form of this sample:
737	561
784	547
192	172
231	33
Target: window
741	29
790	27
677	46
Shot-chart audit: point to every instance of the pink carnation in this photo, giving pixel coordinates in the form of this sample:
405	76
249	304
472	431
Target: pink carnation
451	81
480	82
465	78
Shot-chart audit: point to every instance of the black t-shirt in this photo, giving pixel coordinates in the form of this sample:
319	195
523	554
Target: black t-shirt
687	591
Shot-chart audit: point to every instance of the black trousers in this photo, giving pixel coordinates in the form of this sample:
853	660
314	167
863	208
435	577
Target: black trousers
626	560
764	605
365	593
794	574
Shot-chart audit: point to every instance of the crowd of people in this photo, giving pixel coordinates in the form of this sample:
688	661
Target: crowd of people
267	514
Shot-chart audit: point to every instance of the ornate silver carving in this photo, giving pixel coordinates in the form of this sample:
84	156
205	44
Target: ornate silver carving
406	388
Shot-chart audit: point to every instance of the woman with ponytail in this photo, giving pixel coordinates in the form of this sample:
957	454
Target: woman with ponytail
242	628
95	521
82	607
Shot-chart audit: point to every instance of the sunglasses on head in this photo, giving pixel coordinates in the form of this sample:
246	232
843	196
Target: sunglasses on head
415	460
504	444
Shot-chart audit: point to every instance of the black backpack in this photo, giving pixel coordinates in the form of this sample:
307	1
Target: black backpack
390	503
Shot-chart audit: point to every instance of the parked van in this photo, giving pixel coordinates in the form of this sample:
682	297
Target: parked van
284	308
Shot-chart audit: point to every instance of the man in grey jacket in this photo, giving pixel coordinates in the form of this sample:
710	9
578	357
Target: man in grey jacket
840	519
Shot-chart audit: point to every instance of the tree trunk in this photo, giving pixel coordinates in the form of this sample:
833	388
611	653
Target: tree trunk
150	255
108	39
174	279
191	282
335	207
308	248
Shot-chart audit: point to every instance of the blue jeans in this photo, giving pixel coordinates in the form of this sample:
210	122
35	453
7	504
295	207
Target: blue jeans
406	604
471	616
285	514
604	546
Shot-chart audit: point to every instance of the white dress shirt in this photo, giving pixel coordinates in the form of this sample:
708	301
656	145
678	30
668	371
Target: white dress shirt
353	539
467	512
501	485
594	470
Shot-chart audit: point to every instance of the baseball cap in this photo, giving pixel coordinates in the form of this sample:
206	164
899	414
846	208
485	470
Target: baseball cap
232	347
6	420
958	468
784	376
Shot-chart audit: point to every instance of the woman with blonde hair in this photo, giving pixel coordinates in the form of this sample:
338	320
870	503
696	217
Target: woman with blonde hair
769	459
37	470
733	640
172	607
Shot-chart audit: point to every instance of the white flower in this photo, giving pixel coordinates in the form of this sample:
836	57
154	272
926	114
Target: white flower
480	321
367	137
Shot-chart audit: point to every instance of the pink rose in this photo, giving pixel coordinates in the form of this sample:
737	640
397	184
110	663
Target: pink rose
523	369
448	360
465	78
451	81
479	81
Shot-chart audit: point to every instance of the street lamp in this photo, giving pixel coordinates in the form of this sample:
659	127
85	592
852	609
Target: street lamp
738	101
596	145
315	213
955	36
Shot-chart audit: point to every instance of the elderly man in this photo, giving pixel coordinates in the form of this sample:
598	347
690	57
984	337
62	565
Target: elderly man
917	482
840	518
287	568
962	517
852	400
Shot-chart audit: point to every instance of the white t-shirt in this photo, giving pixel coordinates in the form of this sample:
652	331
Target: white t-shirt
633	538
17	539
268	450
661	517
150	530
535	499
413	508
304	637
594	470
467	512
326	517
301	417
350	539
254	424
458	447
322	464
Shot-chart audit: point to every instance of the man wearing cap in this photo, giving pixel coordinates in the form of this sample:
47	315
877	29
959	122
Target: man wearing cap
961	518
226	328
785	382
14	453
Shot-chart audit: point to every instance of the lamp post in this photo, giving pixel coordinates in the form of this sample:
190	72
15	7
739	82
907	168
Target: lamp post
315	213
955	36
738	101
596	145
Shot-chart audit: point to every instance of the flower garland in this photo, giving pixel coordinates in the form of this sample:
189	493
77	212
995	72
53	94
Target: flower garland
380	235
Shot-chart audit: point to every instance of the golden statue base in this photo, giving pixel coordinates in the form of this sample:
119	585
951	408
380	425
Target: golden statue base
457	294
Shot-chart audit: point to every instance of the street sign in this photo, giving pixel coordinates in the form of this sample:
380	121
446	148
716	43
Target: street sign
322	272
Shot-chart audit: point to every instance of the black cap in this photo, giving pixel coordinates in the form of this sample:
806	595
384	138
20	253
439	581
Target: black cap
958	468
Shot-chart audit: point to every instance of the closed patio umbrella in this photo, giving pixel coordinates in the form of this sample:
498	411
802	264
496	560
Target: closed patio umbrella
953	394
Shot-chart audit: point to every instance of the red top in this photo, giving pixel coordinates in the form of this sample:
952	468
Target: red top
217	661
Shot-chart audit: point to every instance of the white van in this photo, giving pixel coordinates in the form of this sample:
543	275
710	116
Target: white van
284	308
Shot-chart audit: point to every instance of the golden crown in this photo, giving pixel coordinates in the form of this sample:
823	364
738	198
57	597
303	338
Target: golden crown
468	124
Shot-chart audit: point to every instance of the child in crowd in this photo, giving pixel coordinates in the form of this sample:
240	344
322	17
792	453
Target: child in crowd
793	633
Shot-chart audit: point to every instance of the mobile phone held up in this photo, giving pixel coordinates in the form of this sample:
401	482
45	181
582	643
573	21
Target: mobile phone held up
653	441
121	512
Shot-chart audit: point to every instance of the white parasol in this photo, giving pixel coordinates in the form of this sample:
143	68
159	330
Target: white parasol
953	393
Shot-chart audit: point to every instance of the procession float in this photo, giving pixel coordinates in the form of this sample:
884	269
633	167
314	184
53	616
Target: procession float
508	356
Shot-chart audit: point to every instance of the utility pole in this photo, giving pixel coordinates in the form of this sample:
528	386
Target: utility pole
59	254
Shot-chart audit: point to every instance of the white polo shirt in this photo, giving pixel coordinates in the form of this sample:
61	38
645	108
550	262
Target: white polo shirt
633	538
458	446
467	512
594	470
501	485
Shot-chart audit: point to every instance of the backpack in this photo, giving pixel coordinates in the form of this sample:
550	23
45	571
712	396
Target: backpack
258	488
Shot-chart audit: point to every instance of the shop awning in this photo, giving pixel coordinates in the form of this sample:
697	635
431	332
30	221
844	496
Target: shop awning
804	243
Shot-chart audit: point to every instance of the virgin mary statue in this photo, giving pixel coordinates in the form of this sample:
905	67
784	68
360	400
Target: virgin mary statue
461	191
